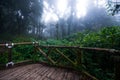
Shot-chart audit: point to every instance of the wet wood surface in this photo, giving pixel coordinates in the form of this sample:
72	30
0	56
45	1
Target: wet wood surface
39	72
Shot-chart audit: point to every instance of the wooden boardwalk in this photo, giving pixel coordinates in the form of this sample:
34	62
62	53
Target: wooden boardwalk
39	72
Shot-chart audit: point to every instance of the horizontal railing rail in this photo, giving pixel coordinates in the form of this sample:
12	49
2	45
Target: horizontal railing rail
21	43
54	46
112	51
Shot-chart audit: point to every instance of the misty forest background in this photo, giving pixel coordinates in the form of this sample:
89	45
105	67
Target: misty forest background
25	21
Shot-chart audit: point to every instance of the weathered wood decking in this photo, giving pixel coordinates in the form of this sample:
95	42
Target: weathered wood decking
39	72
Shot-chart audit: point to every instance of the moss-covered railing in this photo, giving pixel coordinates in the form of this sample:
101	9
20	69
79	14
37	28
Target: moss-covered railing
63	56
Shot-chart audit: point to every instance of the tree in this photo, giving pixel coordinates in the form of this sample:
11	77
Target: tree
17	15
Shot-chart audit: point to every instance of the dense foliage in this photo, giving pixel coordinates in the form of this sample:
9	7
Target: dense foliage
19	16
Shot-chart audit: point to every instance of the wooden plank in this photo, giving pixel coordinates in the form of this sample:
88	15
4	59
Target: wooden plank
76	77
4	72
38	72
45	70
21	69
39	75
38	78
31	72
51	72
22	73
31	75
60	76
57	74
65	75
41	72
7	71
42	69
69	76
46	73
54	74
45	78
18	64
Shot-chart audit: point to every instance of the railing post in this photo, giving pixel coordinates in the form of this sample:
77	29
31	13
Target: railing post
79	55
9	54
35	45
79	59
117	68
10	63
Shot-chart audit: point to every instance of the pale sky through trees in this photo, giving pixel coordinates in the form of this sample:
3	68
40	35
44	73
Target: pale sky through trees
63	8
76	14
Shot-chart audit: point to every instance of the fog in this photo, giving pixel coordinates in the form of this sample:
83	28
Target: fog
51	18
77	15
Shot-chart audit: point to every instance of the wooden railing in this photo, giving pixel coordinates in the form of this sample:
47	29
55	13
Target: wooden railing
70	56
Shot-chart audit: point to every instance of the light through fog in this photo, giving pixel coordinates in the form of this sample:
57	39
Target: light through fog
62	6
81	8
63	9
